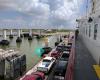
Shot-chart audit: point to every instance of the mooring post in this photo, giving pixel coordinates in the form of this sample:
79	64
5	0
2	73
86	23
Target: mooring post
19	32
5	34
30	32
11	32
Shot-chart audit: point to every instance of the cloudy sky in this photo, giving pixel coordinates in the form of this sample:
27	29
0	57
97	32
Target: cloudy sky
40	13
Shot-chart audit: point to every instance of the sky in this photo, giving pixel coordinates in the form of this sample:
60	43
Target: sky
41	13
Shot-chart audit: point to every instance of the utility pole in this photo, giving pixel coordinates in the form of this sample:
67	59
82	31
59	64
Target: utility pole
87	3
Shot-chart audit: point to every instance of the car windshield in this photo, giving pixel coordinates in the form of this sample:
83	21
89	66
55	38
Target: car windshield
65	56
46	62
47	48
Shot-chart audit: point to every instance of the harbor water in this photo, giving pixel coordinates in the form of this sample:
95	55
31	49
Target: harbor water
29	48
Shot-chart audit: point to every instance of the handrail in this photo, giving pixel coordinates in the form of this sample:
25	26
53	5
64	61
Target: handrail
70	67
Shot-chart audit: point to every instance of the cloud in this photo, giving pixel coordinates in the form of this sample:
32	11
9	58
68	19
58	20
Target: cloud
7	4
44	13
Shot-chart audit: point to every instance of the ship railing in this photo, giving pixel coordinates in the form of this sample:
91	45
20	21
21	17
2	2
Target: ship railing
70	67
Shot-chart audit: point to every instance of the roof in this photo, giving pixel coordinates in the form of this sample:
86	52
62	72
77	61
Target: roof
49	58
67	52
29	77
61	64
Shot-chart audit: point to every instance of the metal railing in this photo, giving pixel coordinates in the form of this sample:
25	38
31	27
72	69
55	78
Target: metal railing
70	67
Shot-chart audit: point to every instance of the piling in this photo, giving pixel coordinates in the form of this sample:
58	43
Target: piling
11	34
19	40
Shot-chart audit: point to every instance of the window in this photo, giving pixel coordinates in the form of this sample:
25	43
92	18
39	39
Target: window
89	31
39	78
86	30
95	31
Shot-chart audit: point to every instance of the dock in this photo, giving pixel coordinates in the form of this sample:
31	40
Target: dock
8	53
10	62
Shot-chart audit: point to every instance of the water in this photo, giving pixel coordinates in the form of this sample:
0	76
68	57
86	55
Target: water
29	48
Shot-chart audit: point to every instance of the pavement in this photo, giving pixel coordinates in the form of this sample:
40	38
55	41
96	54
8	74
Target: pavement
84	62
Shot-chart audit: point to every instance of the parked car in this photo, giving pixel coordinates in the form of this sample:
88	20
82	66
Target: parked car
57	43
45	50
35	76
66	52
65	56
55	54
60	48
60	68
46	64
41	74
67	48
66	36
70	43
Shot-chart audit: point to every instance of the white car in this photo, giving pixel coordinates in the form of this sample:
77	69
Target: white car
46	64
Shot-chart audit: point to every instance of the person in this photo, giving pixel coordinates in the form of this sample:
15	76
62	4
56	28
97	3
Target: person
76	33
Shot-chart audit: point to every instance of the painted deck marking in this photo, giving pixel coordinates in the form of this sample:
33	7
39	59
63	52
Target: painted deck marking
97	70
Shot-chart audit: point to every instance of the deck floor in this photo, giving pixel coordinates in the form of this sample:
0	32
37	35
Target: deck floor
83	63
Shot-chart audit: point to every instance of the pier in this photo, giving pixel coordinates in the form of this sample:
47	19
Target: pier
8	53
10	61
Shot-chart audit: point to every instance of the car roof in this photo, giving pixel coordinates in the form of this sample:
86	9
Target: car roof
65	55
30	77
61	63
55	51
38	73
48	58
65	51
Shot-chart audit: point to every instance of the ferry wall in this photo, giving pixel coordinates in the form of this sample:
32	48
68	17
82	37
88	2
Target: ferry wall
87	33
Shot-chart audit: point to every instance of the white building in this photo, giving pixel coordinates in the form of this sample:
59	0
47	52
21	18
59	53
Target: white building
89	30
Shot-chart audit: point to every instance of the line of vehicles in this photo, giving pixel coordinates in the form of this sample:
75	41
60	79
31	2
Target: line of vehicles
56	62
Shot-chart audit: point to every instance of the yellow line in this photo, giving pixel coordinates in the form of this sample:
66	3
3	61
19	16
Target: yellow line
97	70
